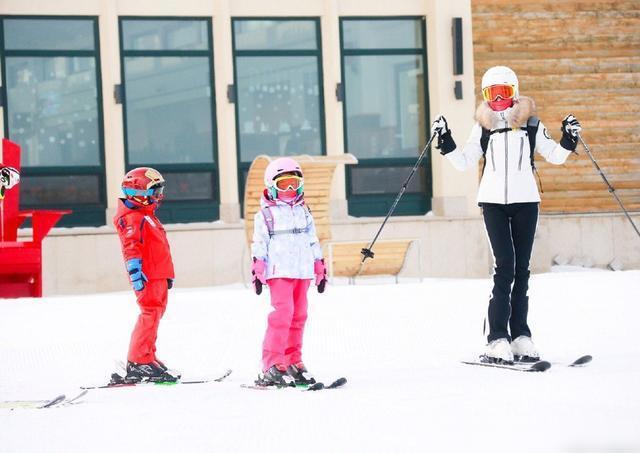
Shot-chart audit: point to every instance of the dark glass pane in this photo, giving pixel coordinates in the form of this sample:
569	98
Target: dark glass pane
53	110
278	106
385	105
48	34
385	180
59	190
188	186
275	34
165	35
168	110
382	34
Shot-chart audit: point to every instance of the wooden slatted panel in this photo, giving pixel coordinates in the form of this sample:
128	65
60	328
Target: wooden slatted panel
580	57
389	257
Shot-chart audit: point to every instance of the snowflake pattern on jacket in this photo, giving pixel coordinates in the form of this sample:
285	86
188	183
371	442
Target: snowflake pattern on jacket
288	254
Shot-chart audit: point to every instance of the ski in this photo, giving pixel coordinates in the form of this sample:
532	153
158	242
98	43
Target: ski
32	404
118	381
337	383
582	361
577	363
58	401
305	388
74	399
535	367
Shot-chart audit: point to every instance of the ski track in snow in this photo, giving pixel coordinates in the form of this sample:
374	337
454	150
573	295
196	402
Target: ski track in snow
398	345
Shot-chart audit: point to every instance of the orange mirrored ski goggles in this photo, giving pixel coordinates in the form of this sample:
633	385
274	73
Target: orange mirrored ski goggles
288	182
504	91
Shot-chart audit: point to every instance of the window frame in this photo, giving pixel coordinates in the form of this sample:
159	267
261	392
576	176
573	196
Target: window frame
243	167
83	214
183	211
375	205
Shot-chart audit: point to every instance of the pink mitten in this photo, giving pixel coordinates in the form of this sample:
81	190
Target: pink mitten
258	268
320	270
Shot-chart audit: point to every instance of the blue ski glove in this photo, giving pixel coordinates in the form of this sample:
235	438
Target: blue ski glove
137	277
169	283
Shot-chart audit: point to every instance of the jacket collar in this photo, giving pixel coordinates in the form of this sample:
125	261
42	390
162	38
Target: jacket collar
150	209
516	116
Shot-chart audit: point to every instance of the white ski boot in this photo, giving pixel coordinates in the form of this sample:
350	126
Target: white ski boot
499	351
524	350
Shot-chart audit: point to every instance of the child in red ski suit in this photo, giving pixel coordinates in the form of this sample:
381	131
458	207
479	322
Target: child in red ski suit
286	257
148	262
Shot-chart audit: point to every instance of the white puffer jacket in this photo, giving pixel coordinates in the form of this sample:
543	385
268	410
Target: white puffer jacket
508	176
290	252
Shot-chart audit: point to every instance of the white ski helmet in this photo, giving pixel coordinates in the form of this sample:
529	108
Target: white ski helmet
501	75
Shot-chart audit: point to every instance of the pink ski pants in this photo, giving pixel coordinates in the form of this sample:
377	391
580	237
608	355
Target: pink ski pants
283	340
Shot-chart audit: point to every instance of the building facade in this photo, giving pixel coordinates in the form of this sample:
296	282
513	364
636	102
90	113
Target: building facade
198	88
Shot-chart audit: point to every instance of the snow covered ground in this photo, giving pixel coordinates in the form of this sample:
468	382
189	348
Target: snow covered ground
398	345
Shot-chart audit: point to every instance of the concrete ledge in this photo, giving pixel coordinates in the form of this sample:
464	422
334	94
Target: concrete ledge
88	260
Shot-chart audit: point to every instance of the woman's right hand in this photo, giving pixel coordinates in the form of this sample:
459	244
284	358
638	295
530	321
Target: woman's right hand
440	128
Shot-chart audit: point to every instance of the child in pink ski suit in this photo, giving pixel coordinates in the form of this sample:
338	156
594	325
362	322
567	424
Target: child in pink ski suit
286	257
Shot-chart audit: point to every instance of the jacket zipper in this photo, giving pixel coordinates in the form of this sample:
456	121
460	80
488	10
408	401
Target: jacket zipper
493	161
506	165
521	151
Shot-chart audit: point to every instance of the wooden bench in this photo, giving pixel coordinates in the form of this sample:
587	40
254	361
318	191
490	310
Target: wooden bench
342	257
346	259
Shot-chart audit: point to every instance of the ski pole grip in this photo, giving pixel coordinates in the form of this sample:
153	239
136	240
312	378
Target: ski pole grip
367	253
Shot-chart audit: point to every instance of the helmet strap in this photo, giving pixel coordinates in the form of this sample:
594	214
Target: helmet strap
273	192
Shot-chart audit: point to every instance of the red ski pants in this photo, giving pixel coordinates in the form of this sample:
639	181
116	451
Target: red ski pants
152	301
282	343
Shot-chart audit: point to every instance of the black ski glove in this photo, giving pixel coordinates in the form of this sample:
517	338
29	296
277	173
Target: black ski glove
445	140
570	129
169	283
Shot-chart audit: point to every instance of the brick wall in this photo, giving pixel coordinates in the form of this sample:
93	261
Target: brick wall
580	57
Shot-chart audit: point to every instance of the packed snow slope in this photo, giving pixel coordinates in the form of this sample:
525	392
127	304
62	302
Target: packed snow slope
399	345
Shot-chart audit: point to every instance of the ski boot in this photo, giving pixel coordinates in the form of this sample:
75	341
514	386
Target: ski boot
524	350
300	374
276	375
149	372
498	351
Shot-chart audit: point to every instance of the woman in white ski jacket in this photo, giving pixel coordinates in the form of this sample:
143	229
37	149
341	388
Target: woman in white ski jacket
505	130
286	257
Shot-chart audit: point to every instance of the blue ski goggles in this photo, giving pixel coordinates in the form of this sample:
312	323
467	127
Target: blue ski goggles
156	191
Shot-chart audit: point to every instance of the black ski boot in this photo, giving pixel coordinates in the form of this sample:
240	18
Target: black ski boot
275	376
300	374
148	372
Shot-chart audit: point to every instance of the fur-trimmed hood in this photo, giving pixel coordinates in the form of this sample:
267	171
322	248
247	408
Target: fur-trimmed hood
516	117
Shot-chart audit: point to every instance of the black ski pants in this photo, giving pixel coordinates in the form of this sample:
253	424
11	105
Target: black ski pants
511	229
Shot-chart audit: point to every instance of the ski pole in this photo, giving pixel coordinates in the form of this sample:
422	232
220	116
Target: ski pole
611	189
367	252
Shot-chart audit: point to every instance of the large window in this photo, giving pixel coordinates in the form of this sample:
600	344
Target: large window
278	86
385	111
167	74
51	77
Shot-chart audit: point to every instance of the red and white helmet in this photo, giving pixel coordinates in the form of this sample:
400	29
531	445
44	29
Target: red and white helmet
143	186
280	166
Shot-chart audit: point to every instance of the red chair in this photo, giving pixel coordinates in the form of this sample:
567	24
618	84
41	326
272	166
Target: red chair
21	261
